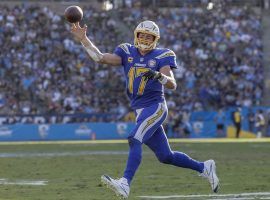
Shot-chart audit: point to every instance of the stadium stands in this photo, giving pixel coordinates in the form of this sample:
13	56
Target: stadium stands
45	72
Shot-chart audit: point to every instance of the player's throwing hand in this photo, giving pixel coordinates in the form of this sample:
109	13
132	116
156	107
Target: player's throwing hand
78	31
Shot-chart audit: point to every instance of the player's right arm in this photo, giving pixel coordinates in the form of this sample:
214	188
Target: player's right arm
91	49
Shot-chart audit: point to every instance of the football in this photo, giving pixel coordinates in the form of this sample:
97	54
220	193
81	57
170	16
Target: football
73	14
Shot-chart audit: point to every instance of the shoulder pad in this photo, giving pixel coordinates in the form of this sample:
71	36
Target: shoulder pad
165	54
125	47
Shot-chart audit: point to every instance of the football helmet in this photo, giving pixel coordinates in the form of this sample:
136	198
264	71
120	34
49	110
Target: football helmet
148	27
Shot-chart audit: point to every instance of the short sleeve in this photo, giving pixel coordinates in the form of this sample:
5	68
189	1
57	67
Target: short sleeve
167	58
122	50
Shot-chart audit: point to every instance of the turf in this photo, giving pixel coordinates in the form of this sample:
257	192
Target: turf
242	167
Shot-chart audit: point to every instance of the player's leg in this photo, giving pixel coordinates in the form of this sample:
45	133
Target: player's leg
158	143
238	130
121	186
134	158
148	120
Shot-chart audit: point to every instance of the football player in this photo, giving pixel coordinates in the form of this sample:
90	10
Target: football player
148	70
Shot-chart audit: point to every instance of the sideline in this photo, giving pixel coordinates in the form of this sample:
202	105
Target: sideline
192	140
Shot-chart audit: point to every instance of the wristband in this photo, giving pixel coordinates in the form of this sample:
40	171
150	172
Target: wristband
94	53
164	80
158	76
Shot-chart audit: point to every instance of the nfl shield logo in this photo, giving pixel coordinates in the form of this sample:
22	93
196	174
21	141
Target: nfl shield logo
151	63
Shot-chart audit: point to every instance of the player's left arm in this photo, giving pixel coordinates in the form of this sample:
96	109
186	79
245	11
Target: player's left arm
167	78
164	76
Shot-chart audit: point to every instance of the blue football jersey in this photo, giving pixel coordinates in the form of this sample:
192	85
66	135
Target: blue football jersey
144	93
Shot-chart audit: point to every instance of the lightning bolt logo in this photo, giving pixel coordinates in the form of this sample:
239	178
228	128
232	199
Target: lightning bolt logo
153	119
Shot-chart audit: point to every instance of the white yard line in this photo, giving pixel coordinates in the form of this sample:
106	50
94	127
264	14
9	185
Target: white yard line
243	198
231	196
23	182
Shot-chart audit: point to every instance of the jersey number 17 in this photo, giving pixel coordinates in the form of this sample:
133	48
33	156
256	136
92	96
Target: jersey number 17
132	74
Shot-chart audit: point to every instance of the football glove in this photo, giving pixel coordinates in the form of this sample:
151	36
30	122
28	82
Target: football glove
151	74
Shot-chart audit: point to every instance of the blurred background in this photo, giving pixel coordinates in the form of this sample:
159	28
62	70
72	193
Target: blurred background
51	90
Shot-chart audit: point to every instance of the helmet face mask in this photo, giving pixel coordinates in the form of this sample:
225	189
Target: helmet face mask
150	28
145	40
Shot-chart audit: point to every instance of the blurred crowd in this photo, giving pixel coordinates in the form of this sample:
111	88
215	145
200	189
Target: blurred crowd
219	51
44	71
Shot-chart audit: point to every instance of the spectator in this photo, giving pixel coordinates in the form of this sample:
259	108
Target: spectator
237	120
251	121
220	123
220	49
260	123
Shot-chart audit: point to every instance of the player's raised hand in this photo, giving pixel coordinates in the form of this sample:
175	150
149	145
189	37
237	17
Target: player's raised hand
151	74
78	31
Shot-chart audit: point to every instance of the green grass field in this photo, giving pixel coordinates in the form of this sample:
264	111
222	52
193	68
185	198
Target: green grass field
72	171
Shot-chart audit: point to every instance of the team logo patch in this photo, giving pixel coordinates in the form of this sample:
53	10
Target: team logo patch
151	63
130	59
141	59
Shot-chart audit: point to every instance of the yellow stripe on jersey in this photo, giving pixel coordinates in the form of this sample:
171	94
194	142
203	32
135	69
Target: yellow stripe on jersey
131	77
124	46
139	72
132	74
166	54
153	119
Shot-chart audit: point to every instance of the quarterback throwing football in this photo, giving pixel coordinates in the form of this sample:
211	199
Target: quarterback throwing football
148	70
